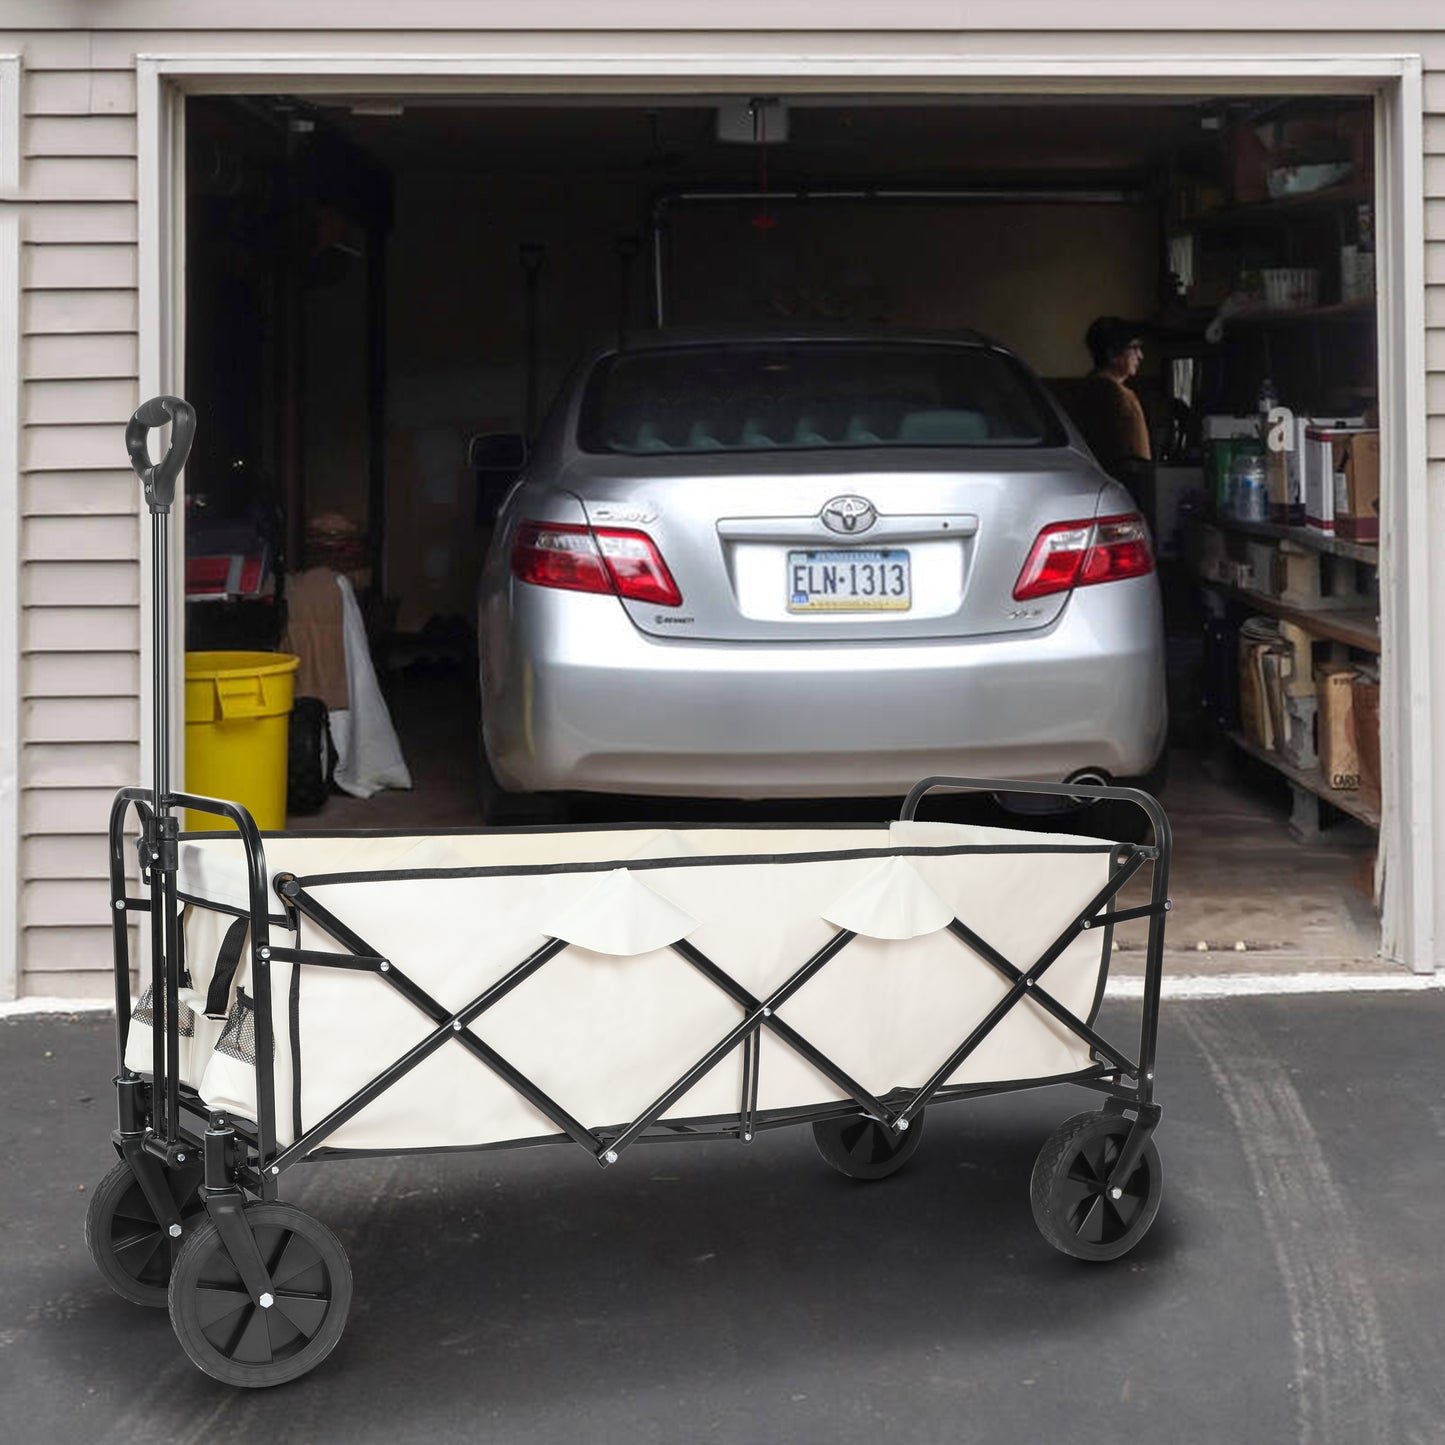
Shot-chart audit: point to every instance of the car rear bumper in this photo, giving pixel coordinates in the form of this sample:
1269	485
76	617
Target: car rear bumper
583	701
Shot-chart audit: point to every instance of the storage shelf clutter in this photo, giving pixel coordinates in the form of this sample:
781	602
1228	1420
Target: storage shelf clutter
1308	668
1273	240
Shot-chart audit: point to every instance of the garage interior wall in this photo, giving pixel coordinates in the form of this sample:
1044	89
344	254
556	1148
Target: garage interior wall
79	319
456	313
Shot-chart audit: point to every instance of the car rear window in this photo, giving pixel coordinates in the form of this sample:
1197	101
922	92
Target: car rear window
799	396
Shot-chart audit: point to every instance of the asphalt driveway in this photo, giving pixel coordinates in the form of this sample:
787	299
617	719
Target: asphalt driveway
1291	1289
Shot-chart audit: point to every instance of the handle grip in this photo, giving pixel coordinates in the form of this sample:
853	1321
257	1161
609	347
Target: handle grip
159	478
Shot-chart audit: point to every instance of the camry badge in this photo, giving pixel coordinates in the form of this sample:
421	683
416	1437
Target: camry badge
849	514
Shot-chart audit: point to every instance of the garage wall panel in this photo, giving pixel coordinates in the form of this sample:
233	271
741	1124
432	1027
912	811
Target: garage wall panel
81	313
56	951
80	584
61	902
82	539
77	178
65	810
64	355
82	719
81	447
64	496
80	135
79	629
61	402
71	222
78	268
79	537
81	765
78	984
81	674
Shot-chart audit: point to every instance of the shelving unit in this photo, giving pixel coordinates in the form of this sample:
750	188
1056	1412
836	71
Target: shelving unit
1352	627
1357	628
1368	552
1312	781
1317	356
1269	212
1361	310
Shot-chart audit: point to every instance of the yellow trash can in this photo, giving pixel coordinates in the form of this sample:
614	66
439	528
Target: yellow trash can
238	710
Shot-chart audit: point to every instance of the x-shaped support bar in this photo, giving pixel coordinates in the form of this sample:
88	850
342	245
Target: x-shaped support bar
758	1014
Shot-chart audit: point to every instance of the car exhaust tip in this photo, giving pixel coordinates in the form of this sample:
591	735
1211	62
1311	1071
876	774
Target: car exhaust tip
1049	805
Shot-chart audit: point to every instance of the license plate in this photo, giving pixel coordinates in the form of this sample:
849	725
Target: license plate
846	580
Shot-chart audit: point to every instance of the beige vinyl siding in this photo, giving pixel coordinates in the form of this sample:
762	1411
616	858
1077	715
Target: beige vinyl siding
79	532
90	353
1434	88
72	93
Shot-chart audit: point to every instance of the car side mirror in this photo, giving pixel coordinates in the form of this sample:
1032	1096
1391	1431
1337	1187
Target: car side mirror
497	452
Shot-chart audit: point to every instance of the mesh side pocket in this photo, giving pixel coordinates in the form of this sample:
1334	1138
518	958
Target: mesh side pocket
145	1013
238	1038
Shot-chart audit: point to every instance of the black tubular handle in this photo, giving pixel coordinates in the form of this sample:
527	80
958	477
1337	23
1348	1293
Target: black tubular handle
1136	796
159	478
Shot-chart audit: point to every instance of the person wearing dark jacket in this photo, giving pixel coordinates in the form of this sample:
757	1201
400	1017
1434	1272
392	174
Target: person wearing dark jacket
1109	413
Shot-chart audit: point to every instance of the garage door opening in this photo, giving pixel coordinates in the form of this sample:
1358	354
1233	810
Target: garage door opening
371	283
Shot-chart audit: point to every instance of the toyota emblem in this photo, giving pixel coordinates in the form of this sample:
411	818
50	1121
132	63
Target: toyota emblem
849	515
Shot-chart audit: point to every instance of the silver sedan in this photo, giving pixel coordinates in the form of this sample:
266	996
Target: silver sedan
814	566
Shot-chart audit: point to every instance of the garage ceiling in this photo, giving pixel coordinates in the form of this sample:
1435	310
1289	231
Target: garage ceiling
677	144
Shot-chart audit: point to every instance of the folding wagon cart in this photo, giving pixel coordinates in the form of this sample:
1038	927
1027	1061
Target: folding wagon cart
316	996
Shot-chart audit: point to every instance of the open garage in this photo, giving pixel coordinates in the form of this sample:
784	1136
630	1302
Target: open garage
375	281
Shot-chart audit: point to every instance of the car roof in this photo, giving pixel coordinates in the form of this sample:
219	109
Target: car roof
671	337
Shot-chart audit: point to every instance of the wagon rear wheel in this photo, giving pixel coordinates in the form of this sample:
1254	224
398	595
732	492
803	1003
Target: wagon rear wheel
865	1149
130	1247
1074	1208
240	1342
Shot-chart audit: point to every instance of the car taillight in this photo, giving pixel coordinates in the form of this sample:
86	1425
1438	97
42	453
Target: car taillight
1079	554
593	559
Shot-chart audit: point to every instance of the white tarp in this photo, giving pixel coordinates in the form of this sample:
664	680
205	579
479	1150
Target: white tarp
618	1016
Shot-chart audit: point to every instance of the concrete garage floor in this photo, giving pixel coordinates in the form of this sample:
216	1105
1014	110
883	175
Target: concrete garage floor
1288	1292
1239	876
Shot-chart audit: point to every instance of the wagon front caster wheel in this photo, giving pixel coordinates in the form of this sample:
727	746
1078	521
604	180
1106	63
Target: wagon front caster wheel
243	1343
130	1247
1073	1208
865	1149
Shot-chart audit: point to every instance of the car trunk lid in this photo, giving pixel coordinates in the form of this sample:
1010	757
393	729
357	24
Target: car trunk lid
872	547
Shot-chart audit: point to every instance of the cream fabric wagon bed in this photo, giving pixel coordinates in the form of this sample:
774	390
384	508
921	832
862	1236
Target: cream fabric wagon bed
618	1014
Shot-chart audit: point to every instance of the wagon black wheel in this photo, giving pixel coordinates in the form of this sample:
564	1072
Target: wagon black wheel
865	1149
243	1343
130	1247
1073	1208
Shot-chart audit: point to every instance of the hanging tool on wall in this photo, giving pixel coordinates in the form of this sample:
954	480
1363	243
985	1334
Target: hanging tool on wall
627	249
531	254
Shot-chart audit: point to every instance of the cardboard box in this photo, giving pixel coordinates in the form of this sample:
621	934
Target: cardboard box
1339	752
1357	487
1365	700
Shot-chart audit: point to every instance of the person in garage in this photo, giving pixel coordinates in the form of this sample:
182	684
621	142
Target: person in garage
1109	412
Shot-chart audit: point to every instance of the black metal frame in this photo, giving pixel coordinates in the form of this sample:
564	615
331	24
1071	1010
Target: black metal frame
162	1123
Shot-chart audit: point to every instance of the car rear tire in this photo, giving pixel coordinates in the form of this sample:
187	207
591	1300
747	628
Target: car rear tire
502	808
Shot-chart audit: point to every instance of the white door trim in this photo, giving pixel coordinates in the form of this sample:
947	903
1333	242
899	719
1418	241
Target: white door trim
1408	842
